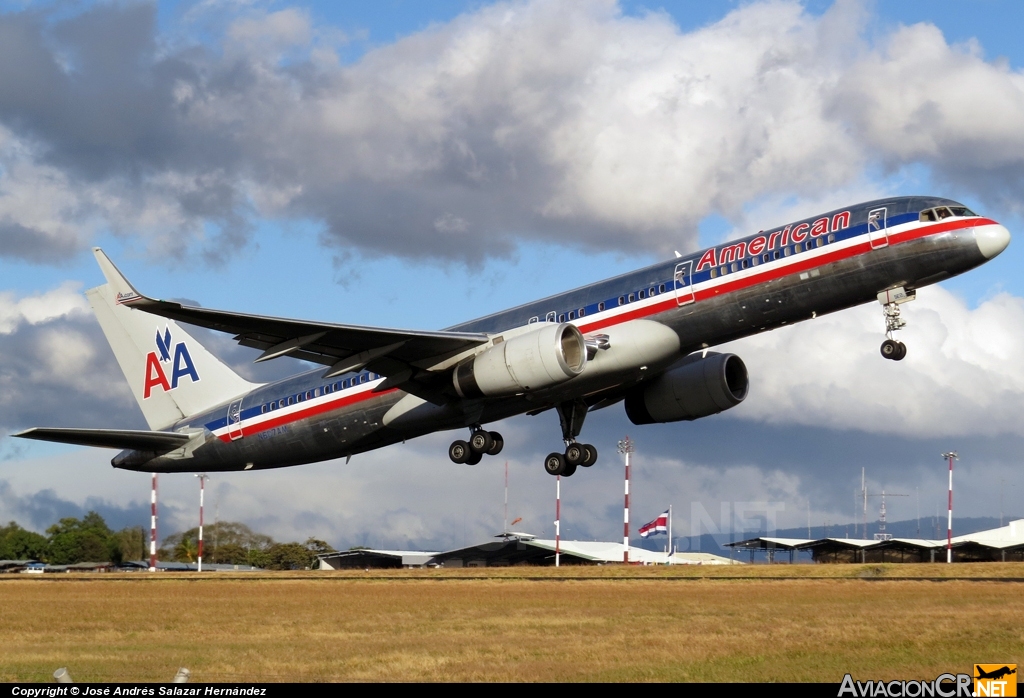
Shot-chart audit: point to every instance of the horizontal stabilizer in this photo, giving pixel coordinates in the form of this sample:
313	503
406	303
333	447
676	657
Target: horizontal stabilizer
158	441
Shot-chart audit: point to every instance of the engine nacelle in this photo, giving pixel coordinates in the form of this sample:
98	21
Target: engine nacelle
699	387
532	361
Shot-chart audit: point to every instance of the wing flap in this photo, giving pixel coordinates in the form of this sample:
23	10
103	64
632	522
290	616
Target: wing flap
159	441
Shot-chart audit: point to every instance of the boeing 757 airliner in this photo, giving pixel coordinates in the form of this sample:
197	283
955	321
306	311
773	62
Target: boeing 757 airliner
642	339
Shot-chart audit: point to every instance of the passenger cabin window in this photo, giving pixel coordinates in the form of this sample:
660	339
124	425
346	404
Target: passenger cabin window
561	317
650	291
767	258
327	389
714	273
550	317
533	320
732	267
582	312
632	297
798	247
785	252
643	294
572	314
661	288
622	300
264	410
754	261
819	242
600	306
291	399
831	238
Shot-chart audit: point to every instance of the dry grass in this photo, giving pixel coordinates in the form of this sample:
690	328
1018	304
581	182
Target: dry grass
514	624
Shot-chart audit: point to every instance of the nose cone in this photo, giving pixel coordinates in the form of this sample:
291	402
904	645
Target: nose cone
991	239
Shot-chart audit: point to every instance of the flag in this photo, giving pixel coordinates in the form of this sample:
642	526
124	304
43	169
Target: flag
659	525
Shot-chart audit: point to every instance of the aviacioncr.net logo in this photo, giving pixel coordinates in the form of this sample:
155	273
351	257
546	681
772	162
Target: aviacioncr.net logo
944	686
995	680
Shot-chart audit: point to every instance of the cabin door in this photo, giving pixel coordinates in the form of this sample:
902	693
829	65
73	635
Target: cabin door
878	234
235	420
683	283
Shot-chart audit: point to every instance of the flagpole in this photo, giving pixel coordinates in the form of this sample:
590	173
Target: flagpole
670	529
558	518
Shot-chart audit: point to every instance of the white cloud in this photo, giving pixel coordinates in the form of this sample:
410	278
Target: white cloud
518	120
964	371
59	302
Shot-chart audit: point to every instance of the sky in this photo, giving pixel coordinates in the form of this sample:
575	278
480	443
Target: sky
416	165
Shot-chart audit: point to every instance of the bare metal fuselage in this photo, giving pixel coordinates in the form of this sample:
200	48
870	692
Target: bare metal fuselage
848	267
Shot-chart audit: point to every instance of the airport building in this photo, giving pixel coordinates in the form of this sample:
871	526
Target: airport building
513	549
1003	544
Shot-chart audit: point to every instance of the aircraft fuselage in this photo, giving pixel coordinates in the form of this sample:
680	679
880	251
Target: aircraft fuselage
645	321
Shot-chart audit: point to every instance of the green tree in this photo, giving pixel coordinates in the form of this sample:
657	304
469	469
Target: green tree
18	544
130	543
87	540
224	542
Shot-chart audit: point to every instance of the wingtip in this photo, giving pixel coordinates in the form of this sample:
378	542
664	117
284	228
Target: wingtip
118	282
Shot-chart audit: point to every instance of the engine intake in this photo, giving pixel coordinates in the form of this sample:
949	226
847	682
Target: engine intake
699	387
531	361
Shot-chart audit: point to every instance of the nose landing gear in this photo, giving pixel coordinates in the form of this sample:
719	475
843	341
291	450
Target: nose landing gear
891	301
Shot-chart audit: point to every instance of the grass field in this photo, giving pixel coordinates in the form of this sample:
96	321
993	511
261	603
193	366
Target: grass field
756	623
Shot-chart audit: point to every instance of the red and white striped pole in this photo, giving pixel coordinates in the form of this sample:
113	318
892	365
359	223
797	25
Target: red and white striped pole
202	482
152	528
626	447
949	528
558	518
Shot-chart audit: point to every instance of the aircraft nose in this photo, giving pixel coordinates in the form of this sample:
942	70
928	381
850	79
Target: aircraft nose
991	239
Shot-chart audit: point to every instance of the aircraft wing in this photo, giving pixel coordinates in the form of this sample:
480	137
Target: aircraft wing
399	355
161	441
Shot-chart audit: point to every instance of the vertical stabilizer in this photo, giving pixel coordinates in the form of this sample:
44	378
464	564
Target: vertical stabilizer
171	374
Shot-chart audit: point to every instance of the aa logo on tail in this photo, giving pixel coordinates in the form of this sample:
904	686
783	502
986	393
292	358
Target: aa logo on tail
180	364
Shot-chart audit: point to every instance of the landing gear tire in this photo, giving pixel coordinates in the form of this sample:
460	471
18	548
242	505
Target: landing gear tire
474	458
902	353
555	464
591	456
459	451
575	454
481	441
497	443
890	349
569	470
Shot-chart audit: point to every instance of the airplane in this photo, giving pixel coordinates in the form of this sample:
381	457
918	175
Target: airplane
642	338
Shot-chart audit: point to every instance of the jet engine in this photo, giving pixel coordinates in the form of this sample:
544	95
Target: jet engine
532	361
698	387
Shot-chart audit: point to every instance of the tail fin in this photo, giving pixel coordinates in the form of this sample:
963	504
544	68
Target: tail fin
171	374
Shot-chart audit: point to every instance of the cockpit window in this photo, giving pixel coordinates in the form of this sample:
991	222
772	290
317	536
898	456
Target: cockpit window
940	212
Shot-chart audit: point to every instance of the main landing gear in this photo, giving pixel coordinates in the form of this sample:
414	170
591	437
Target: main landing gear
891	301
571	416
481	443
